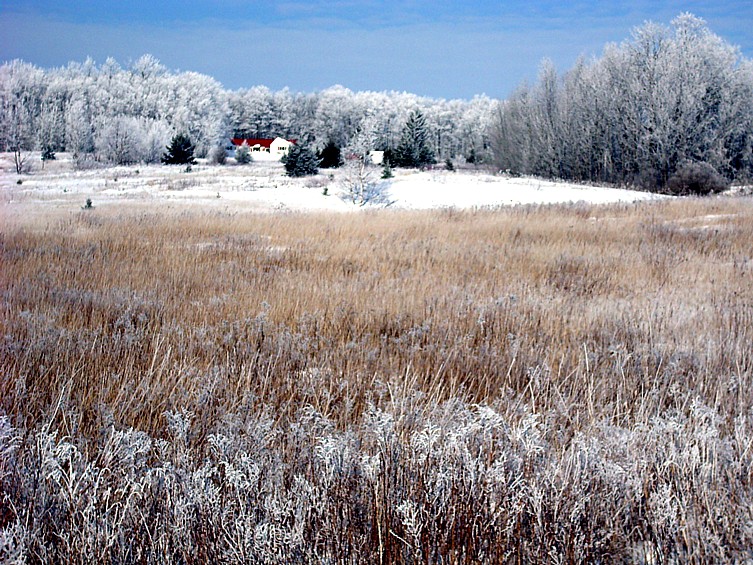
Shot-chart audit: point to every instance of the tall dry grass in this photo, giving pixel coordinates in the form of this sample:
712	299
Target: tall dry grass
556	384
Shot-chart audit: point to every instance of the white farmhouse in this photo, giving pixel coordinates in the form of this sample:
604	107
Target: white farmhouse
280	146
264	149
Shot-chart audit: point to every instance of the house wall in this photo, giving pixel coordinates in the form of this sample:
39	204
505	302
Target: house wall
280	146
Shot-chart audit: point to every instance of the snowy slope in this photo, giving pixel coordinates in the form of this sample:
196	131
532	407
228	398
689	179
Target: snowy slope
263	186
467	190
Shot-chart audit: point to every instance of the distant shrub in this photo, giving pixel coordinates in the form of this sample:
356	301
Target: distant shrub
360	186
86	162
218	156
48	154
243	154
696	178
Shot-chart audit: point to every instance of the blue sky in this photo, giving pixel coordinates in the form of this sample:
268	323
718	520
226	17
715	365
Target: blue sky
434	48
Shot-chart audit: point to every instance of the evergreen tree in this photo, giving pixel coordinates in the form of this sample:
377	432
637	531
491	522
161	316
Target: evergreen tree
414	150
300	161
330	157
180	151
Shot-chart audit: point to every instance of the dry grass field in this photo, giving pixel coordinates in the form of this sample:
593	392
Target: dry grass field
556	384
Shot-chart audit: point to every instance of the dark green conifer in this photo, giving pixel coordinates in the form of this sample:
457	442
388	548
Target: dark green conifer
414	150
180	151
300	161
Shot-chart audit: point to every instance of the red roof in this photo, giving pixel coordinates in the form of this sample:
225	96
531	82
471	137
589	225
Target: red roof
251	142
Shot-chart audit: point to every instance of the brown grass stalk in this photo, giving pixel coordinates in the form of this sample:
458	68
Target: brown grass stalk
586	319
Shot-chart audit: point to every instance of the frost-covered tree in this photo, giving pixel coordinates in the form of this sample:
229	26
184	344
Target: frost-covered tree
21	91
79	131
667	96
361	183
259	112
364	139
199	109
334	115
361	180
119	141
155	136
51	123
19	134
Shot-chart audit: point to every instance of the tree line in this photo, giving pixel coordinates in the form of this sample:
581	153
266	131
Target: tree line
124	115
666	107
667	104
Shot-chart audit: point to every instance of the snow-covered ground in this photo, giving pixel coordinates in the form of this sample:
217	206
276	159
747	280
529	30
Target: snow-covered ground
467	190
263	186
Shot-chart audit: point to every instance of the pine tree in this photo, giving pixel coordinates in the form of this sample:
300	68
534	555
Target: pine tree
180	151
300	161
414	150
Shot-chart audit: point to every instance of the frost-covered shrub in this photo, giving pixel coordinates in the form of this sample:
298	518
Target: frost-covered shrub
218	156
360	184
243	154
696	178
414	482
